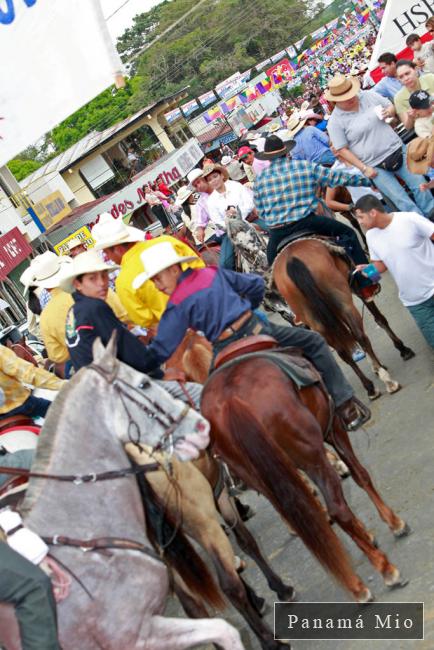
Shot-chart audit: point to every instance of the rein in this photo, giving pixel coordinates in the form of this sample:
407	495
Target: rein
101	543
79	479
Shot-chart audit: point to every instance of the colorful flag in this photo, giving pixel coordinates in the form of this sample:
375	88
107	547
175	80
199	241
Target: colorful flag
207	98
189	107
212	114
299	44
171	116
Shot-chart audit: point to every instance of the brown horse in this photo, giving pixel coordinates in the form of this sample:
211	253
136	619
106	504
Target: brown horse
266	429
312	276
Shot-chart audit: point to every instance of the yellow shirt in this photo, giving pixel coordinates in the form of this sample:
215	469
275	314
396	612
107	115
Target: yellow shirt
401	99
14	372
146	305
53	320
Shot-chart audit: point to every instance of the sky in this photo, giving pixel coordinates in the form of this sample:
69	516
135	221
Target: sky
124	17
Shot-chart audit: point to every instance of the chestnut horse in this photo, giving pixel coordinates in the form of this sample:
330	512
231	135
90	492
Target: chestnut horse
266	430
313	277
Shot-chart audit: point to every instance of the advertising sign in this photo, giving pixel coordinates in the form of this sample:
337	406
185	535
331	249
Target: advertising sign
52	208
13	250
82	233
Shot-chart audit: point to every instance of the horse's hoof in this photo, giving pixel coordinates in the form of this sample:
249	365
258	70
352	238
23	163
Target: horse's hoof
288	595
394	579
402	582
407	354
365	596
373	540
403	532
375	395
394	387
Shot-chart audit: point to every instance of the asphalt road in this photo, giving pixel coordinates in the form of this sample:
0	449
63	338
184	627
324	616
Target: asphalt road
397	448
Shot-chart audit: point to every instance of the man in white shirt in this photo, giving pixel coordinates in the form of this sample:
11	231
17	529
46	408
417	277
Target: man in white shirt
403	243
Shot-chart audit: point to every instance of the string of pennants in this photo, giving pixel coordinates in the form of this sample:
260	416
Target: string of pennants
284	70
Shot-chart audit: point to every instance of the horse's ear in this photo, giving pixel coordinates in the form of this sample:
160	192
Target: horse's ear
104	355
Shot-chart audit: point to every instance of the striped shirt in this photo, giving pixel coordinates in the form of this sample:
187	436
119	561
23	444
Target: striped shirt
288	190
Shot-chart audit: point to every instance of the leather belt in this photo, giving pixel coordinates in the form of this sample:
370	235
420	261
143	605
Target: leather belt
235	326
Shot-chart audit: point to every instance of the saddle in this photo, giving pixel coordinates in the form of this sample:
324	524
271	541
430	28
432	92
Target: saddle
296	235
289	360
15	421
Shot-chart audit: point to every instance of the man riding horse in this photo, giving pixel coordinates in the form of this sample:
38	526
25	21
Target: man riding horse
220	303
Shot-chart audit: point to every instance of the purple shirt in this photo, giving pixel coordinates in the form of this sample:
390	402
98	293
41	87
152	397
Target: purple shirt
258	166
203	216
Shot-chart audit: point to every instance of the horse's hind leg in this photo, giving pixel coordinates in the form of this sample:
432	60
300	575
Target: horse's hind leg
369	385
328	481
180	634
249	545
340	440
405	352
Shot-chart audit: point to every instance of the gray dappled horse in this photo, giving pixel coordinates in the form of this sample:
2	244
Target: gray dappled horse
117	595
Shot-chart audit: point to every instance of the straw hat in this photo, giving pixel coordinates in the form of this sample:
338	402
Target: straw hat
194	175
420	152
110	232
45	271
88	262
157	258
273	127
294	125
209	169
182	195
341	88
275	148
311	115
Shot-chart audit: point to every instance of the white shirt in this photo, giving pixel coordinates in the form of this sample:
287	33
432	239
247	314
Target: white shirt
406	249
235	194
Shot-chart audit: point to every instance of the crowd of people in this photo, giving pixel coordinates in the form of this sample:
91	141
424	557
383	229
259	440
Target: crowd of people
283	181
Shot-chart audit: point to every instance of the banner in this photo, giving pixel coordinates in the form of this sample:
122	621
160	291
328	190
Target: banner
299	44
189	107
207	98
212	114
278	56
171	116
13	250
280	73
261	65
57	56
292	52
83	234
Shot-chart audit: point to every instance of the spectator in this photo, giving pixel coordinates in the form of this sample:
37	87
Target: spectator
311	144
362	138
420	101
389	85
248	158
423	52
402	242
234	168
407	74
162	187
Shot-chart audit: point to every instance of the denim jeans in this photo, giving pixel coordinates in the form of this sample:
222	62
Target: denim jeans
227	253
423	314
388	185
314	348
34	407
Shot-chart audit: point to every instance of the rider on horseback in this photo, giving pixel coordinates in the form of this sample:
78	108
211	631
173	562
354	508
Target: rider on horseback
219	303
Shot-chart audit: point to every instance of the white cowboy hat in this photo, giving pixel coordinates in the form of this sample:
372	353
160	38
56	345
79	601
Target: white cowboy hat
88	262
45	271
182	195
273	127
110	231
194	175
311	115
74	243
226	160
157	258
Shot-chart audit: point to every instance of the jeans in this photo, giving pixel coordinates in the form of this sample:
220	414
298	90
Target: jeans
345	236
29	589
423	314
388	185
314	348
34	407
227	253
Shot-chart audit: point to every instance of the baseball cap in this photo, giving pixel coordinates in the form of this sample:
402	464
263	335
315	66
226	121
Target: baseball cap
243	151
420	99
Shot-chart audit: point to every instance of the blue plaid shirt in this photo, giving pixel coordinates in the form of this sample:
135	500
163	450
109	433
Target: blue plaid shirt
287	190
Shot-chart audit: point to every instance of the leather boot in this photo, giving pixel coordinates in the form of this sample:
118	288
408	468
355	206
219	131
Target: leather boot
353	413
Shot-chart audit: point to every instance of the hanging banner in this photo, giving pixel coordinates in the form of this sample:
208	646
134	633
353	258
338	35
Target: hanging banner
212	114
207	98
281	72
56	57
299	44
261	65
278	56
189	107
292	52
171	116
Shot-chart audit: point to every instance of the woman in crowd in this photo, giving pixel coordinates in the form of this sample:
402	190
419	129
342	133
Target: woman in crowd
186	199
359	133
407	74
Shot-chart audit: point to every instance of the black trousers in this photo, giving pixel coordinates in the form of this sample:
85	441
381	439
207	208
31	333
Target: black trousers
344	235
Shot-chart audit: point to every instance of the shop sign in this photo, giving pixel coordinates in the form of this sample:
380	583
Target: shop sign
82	233
14	248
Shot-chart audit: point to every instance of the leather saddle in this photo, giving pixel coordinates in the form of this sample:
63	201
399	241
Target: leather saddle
15	421
246	345
296	235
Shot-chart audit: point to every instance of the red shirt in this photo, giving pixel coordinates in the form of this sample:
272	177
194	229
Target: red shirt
164	189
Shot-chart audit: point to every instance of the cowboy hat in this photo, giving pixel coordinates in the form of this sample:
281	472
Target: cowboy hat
75	242
420	152
275	148
88	262
294	125
182	195
226	160
273	127
311	115
341	88
45	271
194	175
157	258
110	232
209	169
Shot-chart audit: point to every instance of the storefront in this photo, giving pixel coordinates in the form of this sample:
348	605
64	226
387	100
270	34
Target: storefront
14	253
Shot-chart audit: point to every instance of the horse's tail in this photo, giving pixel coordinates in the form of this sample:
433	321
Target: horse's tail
325	308
179	553
278	479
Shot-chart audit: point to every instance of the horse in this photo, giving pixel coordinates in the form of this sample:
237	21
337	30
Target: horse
266	429
312	275
119	588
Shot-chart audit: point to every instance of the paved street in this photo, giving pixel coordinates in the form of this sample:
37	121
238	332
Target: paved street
397	449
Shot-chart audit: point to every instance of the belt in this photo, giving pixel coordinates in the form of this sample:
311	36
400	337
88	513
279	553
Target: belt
235	326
